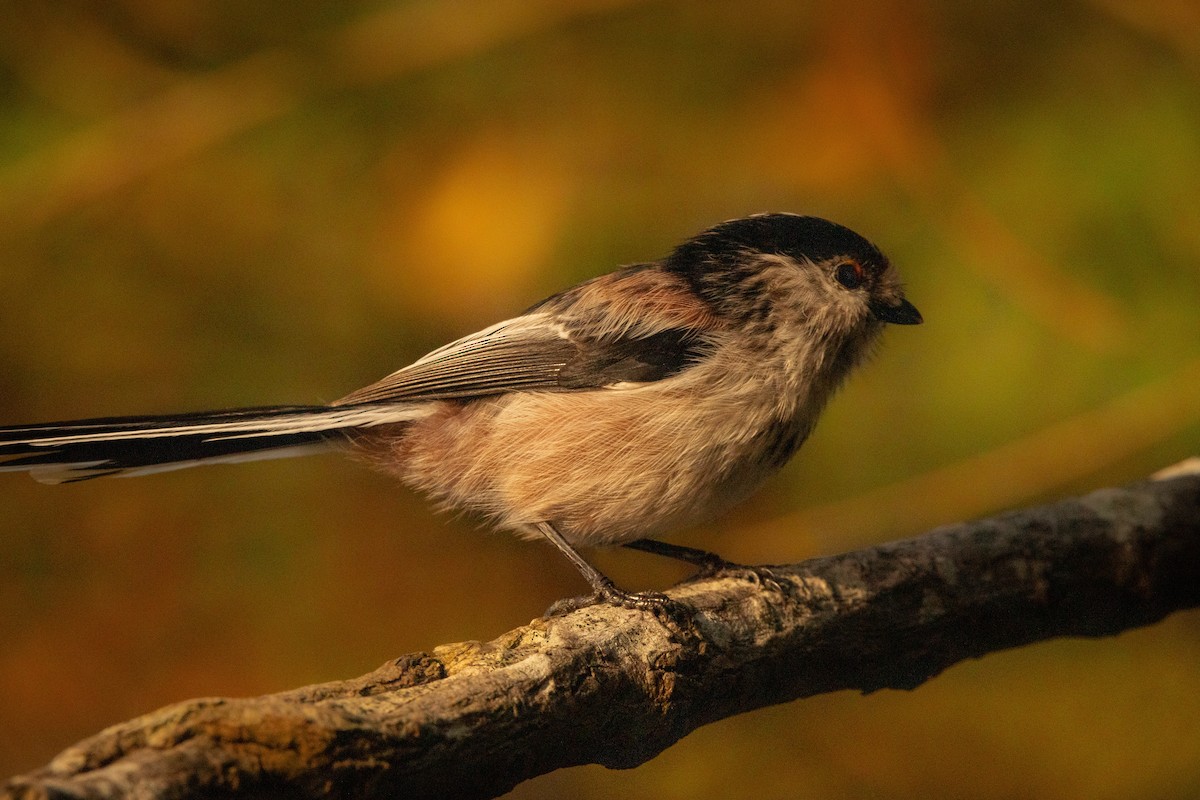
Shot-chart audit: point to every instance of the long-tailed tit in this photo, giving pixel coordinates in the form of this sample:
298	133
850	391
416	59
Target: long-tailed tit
629	405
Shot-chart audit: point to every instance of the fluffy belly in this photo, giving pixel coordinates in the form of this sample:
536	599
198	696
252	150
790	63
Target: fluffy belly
604	467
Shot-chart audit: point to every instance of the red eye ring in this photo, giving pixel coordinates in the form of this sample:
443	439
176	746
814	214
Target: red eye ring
849	274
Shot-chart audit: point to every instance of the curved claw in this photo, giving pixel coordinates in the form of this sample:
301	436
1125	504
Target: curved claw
643	601
762	576
656	603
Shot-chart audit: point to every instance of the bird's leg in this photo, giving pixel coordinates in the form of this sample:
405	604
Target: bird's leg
709	563
605	590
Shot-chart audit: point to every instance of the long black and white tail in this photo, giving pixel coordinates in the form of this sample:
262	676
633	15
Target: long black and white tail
58	452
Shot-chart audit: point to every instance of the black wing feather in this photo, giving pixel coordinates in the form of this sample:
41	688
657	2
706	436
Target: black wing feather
631	360
534	353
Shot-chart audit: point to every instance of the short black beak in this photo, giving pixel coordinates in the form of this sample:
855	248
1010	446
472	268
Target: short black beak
903	314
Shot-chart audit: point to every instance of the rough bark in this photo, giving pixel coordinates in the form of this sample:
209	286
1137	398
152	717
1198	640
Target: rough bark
615	687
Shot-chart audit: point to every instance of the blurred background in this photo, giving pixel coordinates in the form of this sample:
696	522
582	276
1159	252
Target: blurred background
210	203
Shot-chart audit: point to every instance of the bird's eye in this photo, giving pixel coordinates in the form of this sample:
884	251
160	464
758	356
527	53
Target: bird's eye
849	274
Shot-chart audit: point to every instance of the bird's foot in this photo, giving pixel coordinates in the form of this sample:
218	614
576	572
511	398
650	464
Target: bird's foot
656	603
708	564
761	576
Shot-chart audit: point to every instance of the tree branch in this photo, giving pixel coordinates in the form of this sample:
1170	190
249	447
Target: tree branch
615	687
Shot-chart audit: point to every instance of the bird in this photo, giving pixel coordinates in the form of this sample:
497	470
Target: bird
630	405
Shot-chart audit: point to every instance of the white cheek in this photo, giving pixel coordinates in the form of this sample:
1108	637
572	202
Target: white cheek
808	302
851	305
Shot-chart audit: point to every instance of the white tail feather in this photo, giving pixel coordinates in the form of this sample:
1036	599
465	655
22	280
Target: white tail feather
129	446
